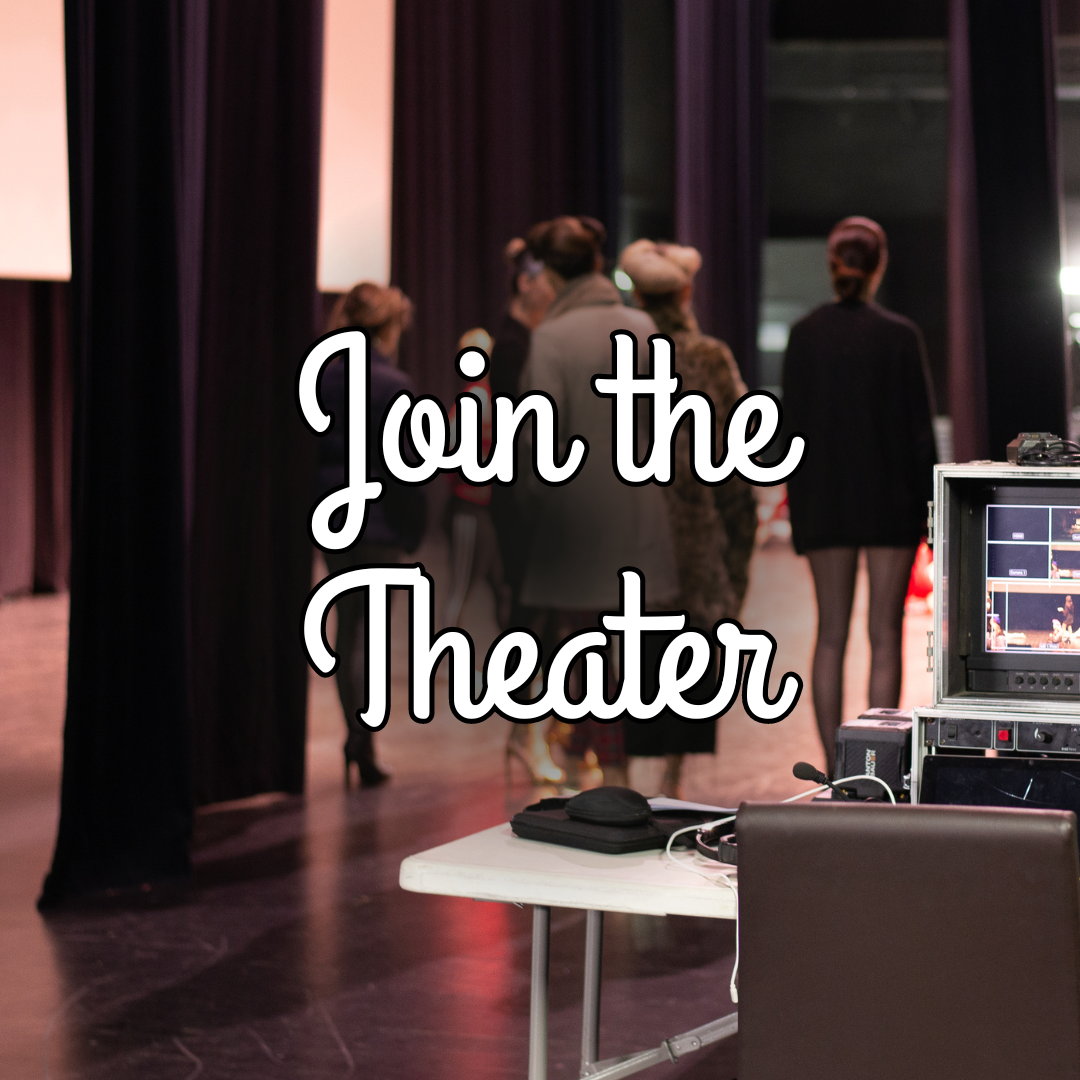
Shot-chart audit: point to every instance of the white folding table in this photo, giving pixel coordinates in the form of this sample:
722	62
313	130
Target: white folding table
499	866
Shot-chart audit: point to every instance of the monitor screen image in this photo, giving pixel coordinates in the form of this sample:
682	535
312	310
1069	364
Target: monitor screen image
1032	577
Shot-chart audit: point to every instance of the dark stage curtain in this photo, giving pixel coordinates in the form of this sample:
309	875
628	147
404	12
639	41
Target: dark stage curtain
35	436
1004	204
251	555
504	114
720	162
967	361
126	799
193	142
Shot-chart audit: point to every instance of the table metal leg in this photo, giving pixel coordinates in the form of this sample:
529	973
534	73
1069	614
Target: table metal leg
670	1050
590	1015
538	1002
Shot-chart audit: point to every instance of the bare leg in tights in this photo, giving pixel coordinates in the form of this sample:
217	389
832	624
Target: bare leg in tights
834	571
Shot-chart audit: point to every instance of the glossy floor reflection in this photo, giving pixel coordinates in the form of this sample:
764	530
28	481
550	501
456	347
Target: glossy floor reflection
296	954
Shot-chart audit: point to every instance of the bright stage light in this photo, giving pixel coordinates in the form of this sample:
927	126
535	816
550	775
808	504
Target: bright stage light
1070	280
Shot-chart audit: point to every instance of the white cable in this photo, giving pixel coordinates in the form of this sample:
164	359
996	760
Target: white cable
722	875
867	776
694	828
713	881
804	794
845	780
876	779
733	986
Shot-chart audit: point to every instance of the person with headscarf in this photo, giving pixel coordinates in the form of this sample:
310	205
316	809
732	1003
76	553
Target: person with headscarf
713	527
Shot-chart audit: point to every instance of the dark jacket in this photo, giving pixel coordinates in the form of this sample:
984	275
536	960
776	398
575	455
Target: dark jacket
399	518
508	356
857	386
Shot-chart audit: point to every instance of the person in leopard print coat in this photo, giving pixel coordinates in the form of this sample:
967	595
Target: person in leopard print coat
713	527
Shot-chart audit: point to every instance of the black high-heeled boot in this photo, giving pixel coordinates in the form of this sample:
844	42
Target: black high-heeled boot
360	750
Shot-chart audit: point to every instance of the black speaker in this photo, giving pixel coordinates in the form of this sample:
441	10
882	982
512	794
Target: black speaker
878	744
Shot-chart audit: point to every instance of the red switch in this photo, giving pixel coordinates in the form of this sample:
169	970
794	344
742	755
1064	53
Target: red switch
1003	735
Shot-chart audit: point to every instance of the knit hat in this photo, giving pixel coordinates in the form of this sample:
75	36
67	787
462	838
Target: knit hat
659	268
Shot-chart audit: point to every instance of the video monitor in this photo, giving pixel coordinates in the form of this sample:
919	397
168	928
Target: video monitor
1032	563
1007	583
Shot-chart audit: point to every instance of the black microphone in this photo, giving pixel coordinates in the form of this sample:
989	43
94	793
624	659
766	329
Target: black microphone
803	770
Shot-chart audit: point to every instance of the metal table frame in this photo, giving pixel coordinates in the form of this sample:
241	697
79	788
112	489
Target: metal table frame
669	1050
495	866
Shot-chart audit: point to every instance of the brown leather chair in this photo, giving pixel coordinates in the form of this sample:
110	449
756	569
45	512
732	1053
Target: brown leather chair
908	943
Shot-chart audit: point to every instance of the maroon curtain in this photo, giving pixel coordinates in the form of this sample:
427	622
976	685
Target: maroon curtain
35	436
254	467
504	114
16	438
720	162
51	305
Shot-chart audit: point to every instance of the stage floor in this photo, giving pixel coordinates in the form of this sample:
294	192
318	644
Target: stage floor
297	955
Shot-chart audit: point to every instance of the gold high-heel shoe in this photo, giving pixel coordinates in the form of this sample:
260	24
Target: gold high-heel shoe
526	743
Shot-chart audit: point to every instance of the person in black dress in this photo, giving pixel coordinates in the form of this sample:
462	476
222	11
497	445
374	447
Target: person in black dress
395	524
531	295
856	385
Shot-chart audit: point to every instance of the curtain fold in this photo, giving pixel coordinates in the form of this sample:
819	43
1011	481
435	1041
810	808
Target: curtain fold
190	60
504	115
254	460
1007	370
50	305
720	205
966	357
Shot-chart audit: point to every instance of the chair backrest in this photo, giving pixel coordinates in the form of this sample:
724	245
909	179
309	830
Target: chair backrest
895	943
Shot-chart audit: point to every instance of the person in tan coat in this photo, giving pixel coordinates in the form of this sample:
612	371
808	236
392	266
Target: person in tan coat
585	531
713	527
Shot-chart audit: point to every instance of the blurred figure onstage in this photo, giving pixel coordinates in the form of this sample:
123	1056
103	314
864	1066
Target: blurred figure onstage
586	530
713	527
531	295
395	524
857	386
